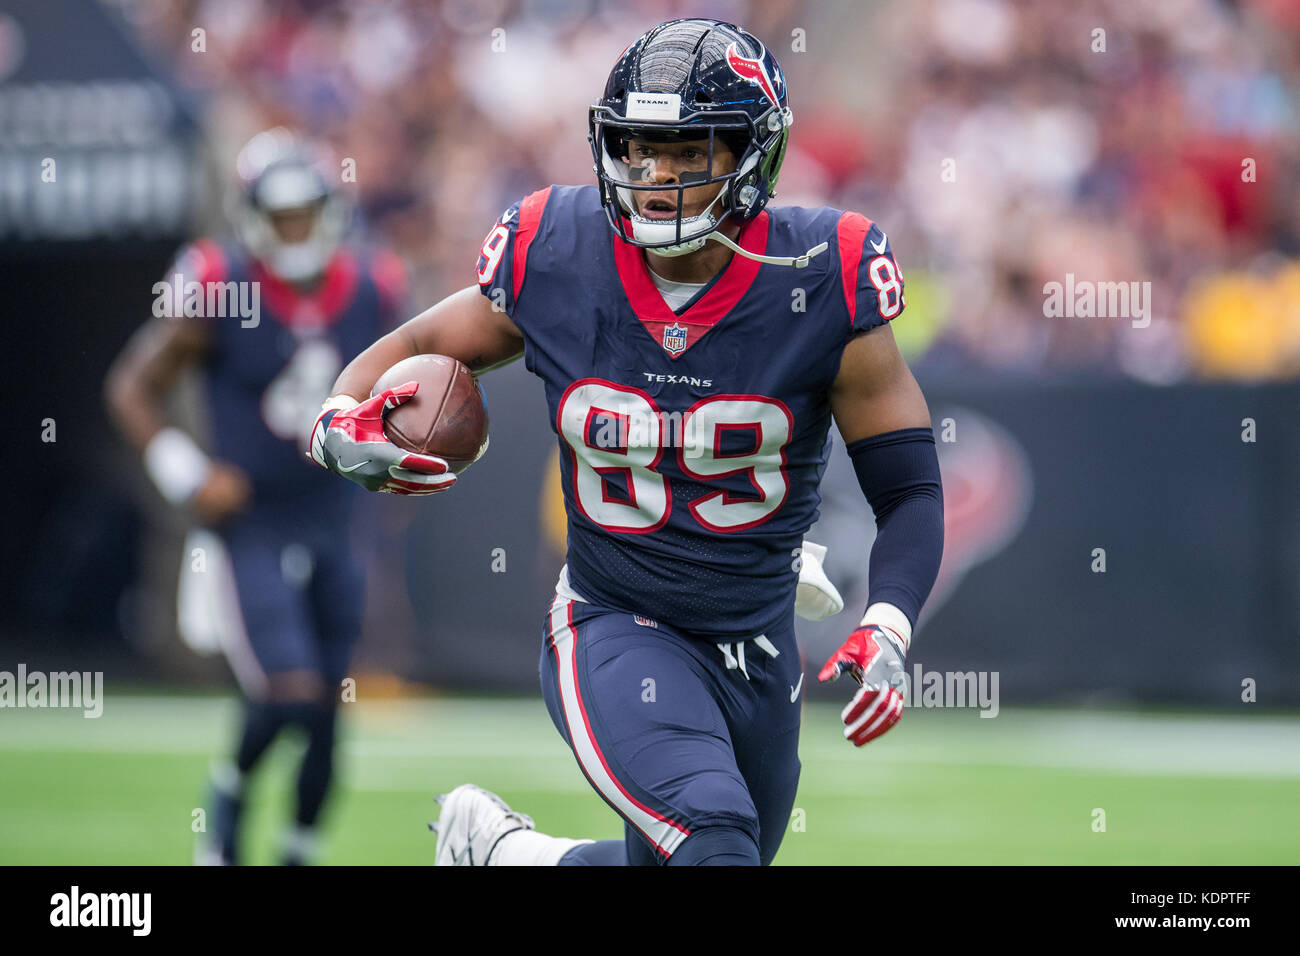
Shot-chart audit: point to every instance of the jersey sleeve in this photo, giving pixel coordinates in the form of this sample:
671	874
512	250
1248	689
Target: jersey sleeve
872	279
503	258
202	261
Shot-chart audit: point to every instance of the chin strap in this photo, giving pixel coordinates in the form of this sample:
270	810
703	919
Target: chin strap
687	244
798	262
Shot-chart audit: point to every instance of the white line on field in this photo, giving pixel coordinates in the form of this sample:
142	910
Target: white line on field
1225	746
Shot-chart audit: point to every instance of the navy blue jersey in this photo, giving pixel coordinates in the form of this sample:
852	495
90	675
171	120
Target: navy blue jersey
691	443
266	378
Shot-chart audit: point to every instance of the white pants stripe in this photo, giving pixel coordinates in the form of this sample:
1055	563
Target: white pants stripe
665	834
210	615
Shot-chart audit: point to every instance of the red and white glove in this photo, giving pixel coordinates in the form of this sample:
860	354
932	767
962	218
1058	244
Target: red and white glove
874	655
348	438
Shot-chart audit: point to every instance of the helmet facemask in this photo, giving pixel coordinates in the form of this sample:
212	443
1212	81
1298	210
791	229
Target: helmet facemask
280	174
744	188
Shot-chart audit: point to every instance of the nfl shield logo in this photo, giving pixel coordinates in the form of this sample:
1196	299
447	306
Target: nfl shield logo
675	339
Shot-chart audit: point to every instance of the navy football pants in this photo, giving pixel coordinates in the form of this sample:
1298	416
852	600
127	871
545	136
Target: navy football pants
677	734
300	596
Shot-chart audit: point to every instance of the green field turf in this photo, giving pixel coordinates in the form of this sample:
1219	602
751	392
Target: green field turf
943	787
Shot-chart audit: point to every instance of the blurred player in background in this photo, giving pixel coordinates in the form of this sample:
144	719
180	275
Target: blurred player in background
694	347
288	591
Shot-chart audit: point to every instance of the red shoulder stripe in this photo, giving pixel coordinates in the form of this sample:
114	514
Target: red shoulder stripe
850	234
530	215
211	265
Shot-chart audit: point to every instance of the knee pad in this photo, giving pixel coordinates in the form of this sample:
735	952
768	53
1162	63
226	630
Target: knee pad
716	846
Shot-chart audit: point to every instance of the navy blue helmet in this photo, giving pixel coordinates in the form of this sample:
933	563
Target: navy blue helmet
278	172
691	80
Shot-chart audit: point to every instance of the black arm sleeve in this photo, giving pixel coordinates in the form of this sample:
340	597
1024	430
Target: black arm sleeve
899	474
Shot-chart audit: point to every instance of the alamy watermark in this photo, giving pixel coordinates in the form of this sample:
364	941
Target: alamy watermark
76	908
1083	299
82	690
620	429
924	688
211	300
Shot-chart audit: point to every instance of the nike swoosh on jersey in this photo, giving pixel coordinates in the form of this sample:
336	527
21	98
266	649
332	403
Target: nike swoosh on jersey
794	691
880	246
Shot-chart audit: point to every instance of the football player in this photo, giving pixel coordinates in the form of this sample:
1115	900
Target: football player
694	347
292	591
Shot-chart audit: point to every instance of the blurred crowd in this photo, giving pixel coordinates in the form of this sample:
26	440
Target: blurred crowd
1002	144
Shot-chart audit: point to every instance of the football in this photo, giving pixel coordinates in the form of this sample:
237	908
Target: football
446	417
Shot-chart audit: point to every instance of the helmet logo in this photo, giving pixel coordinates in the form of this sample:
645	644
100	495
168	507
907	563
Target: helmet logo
752	70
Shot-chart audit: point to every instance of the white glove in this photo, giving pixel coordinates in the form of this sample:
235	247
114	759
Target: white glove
815	597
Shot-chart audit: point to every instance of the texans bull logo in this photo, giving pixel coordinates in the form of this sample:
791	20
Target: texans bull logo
752	70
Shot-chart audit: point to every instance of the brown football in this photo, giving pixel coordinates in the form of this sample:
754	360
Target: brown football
446	416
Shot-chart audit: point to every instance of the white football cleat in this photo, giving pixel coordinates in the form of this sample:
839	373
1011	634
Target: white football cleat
472	823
